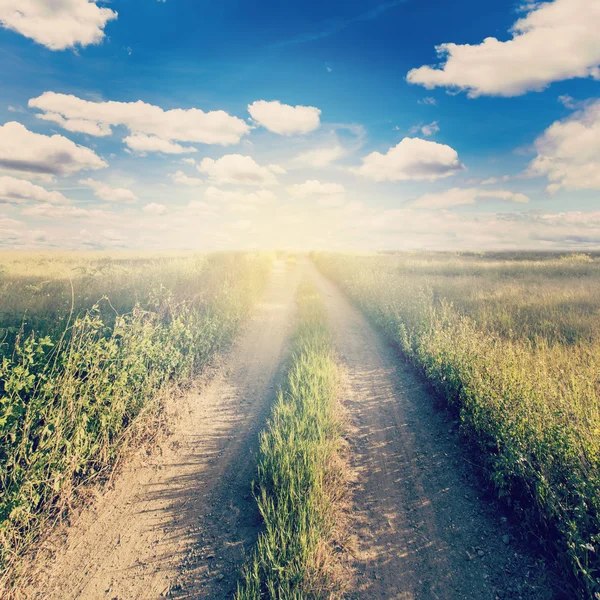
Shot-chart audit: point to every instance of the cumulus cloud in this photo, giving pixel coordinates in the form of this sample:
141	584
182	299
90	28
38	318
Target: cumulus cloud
108	193
320	157
283	118
465	197
59	24
142	143
568	152
413	159
151	128
155	209
329	194
524	63
17	191
239	170
41	155
77	125
181	178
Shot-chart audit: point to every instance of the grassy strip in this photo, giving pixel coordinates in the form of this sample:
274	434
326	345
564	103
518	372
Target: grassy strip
298	474
531	410
68	405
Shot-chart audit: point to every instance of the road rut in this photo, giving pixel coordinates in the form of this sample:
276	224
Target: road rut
421	529
178	523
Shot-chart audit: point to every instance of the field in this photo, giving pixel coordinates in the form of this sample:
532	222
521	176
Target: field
314	462
513	344
90	343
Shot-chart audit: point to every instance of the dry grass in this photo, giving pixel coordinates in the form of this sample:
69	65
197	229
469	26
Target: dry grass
514	346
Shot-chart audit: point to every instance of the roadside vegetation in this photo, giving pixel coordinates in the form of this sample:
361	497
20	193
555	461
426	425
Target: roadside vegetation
513	344
90	345
300	477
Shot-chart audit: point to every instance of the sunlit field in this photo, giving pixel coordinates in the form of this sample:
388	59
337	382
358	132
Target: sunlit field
94	344
90	343
513	343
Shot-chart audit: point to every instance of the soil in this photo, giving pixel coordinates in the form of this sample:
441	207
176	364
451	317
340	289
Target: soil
179	522
421	528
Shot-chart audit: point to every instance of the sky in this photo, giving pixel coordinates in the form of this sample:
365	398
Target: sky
362	125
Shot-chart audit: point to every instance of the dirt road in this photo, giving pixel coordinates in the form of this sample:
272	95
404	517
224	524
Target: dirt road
177	524
421	530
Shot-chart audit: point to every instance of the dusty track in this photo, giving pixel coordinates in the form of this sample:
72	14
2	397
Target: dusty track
421	529
178	523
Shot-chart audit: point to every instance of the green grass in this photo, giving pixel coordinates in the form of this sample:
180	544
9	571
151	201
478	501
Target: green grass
70	397
298	476
513	344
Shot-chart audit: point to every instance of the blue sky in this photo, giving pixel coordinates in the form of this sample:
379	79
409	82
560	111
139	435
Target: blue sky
361	135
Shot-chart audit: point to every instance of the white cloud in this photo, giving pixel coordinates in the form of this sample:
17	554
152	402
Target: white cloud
555	41
412	159
465	197
181	178
493	180
568	152
51	211
142	143
57	24
430	129
239	201
197	208
151	128
239	170
320	157
108	193
155	209
427	130
77	125
314	188
46	156
567	101
189	161
17	191
428	101
283	118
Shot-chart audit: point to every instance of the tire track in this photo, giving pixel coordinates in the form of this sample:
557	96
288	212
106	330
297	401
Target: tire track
178	523
421	529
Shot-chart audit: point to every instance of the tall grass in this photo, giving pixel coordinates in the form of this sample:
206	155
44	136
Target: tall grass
69	399
298	477
513	345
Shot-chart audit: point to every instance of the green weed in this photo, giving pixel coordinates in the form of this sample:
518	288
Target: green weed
514	346
297	474
68	400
